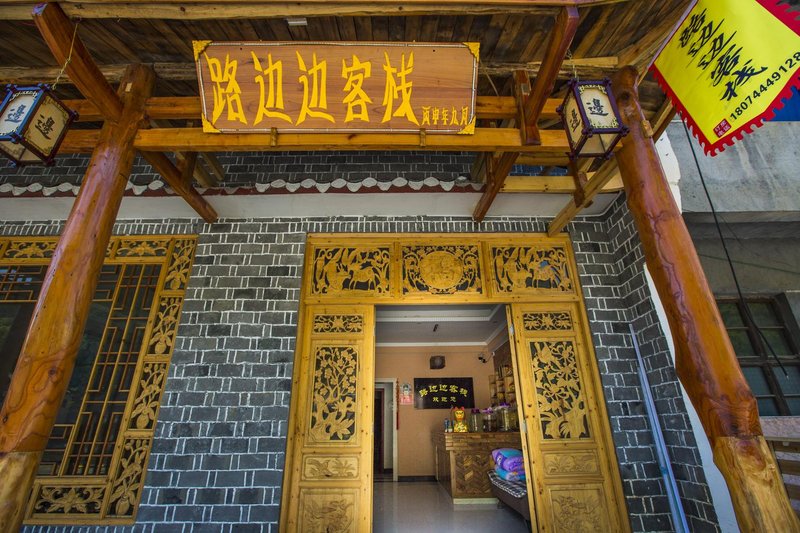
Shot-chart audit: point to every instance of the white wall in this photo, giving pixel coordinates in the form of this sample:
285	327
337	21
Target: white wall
388	422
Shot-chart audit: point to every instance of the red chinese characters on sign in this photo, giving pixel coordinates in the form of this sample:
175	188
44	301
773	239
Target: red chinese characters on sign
255	87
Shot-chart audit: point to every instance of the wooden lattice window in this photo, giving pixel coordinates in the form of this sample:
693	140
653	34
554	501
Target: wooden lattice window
774	378
93	469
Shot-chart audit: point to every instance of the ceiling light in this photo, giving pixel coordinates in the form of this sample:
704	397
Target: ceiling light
296	21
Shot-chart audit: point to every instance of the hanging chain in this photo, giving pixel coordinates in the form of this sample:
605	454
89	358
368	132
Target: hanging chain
69	56
572	64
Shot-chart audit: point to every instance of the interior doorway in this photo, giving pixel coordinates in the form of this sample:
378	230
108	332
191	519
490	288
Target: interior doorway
439	346
384	462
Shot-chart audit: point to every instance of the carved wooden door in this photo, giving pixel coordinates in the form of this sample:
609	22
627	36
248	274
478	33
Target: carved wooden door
329	472
567	439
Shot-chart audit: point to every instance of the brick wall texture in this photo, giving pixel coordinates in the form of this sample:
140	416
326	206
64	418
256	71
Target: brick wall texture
218	456
247	169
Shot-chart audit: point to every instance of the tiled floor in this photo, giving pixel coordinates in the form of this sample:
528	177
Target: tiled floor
427	508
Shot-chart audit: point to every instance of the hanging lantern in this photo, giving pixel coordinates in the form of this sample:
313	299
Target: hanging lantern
591	119
33	122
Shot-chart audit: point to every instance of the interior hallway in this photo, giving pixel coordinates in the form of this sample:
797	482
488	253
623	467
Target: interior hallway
427	508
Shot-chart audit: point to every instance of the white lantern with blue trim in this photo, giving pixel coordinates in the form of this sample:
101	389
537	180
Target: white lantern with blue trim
591	119
33	123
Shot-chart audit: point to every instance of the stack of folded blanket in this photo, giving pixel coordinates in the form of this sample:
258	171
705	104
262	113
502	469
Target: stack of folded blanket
509	464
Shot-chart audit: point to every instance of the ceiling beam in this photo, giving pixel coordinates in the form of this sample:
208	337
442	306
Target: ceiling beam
554	142
531	101
587	67
190	107
484	140
263	9
592	67
560	40
61	37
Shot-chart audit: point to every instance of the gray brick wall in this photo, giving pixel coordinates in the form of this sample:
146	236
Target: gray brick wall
219	450
247	169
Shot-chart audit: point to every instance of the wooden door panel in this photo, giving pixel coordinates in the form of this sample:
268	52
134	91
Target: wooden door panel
329	470
573	468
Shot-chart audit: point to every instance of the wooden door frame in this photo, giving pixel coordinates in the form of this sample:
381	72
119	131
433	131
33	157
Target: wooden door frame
367	270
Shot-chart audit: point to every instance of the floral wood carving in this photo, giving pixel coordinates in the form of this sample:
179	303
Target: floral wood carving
337	270
142	248
547	321
327	513
578	511
165	327
130	477
330	467
338	324
579	463
30	249
148	399
181	265
441	269
528	268
70	500
559	392
333	410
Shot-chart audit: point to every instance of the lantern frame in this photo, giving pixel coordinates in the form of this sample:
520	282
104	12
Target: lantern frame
18	134
587	130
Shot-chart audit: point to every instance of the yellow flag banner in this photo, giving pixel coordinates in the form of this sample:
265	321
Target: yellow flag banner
729	65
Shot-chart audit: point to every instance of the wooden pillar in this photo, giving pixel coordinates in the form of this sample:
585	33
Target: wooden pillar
705	361
48	353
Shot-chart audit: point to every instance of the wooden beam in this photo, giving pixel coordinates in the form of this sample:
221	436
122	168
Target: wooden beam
172	176
554	160
48	353
605	174
203	176
588	67
560	40
187	163
62	39
555	184
705	360
214	165
190	107
497	168
484	140
262	9
112	73
190	167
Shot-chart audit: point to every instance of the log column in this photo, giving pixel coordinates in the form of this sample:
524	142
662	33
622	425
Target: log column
705	360
48	353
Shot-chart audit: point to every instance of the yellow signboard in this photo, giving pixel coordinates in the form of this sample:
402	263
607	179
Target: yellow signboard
729	65
337	86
